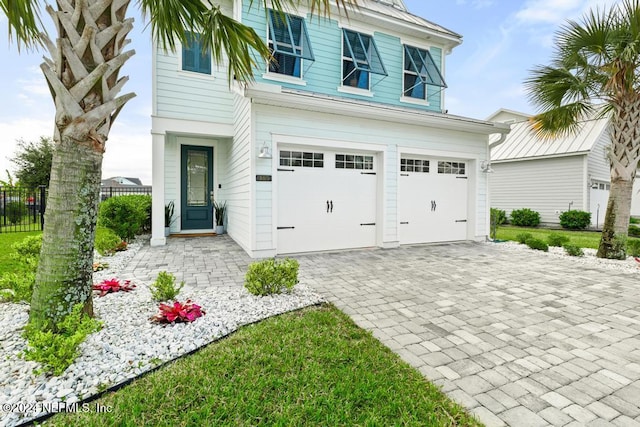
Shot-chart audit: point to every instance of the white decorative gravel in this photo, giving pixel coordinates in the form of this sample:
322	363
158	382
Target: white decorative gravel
589	258
128	344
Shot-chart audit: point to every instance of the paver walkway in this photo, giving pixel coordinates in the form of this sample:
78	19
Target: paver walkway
519	338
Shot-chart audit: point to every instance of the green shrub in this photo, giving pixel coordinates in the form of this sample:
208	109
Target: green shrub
17	286
633	247
498	217
525	217
56	350
165	288
634	231
557	239
126	215
15	211
271	276
523	237
537	244
634	220
573	250
575	220
107	241
619	248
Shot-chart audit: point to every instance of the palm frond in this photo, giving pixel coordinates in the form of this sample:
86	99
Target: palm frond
170	20
318	7
241	44
560	121
24	21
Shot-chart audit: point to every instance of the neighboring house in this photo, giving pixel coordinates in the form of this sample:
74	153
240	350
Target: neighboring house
121	181
343	143
551	176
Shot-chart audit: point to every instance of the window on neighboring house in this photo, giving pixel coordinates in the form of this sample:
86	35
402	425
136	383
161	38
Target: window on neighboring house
193	57
289	43
420	70
360	59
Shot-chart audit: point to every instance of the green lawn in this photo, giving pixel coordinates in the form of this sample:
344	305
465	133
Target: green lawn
584	239
310	367
6	241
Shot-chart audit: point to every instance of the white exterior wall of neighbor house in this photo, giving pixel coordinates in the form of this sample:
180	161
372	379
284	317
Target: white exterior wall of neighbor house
544	185
282	126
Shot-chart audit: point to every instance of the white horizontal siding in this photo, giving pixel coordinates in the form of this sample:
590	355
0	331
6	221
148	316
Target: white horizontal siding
599	168
192	96
236	182
544	185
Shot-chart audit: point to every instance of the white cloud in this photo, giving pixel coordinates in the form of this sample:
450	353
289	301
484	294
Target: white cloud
477	4
555	12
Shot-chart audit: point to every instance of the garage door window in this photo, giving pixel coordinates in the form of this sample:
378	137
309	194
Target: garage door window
301	159
414	165
350	161
451	168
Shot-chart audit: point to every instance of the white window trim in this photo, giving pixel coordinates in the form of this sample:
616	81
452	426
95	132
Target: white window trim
411	100
284	78
300	10
356	90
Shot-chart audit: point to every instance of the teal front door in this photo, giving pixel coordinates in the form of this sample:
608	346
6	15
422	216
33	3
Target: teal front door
197	187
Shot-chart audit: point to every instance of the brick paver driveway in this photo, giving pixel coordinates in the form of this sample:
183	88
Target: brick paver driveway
519	338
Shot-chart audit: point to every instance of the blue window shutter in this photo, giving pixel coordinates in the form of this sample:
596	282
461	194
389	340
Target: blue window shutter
421	62
363	51
289	35
193	58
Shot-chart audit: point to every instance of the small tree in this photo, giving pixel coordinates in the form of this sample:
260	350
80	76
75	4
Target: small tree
34	162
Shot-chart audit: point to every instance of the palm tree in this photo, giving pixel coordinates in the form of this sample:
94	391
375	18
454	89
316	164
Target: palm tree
595	71
82	72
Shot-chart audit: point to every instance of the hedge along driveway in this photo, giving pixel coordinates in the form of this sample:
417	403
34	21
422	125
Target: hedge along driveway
584	239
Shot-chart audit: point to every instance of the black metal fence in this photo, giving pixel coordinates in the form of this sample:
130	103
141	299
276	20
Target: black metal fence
22	209
106	192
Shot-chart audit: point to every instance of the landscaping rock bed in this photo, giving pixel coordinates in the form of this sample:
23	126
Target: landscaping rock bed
129	344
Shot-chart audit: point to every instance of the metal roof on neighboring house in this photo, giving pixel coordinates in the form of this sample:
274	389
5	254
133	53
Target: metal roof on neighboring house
396	9
523	143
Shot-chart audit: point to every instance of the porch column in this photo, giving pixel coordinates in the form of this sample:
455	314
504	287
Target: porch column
157	192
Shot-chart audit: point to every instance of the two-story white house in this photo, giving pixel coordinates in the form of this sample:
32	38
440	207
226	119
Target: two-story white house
344	142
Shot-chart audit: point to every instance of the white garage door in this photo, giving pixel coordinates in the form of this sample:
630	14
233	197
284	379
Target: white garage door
599	196
432	200
326	200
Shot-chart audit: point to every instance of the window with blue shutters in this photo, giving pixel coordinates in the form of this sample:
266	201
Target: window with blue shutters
193	57
360	59
420	70
289	43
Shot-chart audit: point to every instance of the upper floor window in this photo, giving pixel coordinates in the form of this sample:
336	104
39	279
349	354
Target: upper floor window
420	70
193	57
360	58
289	43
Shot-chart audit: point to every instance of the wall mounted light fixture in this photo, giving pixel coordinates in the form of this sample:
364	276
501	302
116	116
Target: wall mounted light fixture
265	152
485	166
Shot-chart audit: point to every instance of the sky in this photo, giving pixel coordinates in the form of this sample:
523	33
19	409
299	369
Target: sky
502	41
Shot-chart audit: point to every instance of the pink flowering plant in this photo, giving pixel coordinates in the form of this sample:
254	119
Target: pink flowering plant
178	312
113	285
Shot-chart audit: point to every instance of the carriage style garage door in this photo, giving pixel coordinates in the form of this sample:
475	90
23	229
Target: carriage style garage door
432	200
326	200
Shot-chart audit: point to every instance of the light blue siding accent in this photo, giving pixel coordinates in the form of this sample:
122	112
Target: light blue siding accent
323	76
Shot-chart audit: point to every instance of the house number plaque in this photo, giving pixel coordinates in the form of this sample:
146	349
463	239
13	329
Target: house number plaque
263	177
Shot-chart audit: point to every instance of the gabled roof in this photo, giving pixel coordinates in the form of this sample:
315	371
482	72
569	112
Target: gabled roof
397	10
523	143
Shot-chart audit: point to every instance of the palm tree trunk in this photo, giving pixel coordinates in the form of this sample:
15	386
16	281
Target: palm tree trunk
64	275
623	157
83	78
616	221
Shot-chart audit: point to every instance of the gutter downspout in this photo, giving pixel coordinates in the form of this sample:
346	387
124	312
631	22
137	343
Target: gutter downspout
503	137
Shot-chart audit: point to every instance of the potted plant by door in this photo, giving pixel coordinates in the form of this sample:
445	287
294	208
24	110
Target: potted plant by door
221	211
168	218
